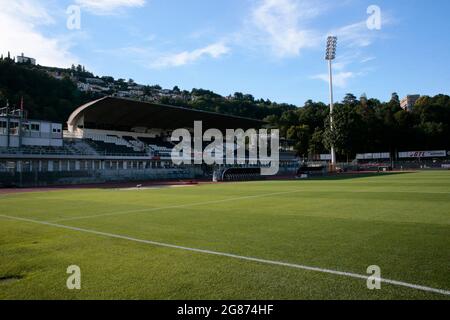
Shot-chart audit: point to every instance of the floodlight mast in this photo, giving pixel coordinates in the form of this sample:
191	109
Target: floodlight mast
330	56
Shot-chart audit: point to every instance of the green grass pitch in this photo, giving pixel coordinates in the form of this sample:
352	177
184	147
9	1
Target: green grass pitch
400	222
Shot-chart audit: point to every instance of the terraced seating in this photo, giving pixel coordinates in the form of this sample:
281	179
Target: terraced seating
110	148
79	147
158	142
41	150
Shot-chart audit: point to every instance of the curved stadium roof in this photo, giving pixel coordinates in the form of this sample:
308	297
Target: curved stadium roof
124	114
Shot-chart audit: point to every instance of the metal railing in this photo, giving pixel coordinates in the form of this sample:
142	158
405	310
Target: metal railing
43	152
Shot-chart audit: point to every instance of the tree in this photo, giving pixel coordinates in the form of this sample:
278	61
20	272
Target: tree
350	99
313	114
108	79
45	97
367	125
363	100
302	136
272	120
316	146
249	97
238	96
287	120
395	98
347	133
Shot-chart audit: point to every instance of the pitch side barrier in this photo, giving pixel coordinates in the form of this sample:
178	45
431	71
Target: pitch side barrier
238	174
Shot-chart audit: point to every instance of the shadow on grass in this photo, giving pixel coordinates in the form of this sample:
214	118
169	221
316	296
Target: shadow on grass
10	278
349	176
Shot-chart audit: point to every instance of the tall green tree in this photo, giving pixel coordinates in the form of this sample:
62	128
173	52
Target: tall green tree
346	133
300	134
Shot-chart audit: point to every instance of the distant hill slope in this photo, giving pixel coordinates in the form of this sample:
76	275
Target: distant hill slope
361	125
44	97
48	98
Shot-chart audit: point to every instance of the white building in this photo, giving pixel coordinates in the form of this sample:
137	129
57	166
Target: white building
84	86
95	81
96	88
137	93
23	59
34	133
409	101
123	94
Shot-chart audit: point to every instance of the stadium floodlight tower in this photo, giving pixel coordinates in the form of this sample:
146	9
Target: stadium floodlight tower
330	56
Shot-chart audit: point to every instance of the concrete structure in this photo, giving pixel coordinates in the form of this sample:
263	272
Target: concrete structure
23	59
409	101
109	139
95	81
116	114
34	133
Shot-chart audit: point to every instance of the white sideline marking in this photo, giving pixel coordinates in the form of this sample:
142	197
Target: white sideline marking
234	256
118	213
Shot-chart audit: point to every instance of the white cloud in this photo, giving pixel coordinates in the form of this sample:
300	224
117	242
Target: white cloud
214	50
340	79
287	27
359	35
352	42
350	60
367	59
353	38
104	7
355	34
280	24
28	10
339	65
19	22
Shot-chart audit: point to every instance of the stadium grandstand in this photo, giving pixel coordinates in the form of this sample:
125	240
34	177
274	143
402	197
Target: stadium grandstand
111	139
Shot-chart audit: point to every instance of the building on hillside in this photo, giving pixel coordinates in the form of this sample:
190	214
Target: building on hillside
84	86
23	59
136	93
123	94
409	101
95	81
136	87
60	75
99	89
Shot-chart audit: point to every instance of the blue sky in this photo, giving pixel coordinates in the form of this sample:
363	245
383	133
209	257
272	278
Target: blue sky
269	48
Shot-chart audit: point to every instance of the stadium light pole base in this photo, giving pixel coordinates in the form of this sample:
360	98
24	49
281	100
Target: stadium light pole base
332	168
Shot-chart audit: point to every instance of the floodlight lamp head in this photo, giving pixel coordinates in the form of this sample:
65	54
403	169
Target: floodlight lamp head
331	48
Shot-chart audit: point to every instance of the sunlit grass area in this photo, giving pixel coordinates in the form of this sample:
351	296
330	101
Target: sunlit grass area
399	222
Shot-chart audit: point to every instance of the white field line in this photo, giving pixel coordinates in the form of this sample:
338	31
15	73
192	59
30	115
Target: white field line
118	213
234	256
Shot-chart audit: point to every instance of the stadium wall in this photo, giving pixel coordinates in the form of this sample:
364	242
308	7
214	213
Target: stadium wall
48	170
40	179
